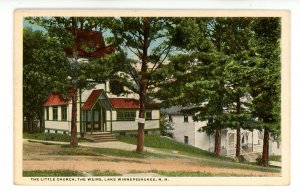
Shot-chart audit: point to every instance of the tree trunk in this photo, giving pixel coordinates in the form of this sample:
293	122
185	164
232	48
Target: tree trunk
238	142
265	153
217	150
238	129
141	125
73	141
30	124
42	120
143	86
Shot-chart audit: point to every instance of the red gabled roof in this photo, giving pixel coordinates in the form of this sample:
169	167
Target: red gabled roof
55	99
91	99
126	103
117	103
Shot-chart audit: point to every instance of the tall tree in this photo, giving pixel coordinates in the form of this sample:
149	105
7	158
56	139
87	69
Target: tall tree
147	41
199	70
240	45
266	84
44	71
218	59
80	38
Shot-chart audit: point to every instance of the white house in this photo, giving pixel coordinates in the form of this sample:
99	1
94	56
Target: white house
98	111
188	131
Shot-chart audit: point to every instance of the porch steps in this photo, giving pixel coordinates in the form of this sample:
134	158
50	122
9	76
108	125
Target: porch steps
251	157
99	137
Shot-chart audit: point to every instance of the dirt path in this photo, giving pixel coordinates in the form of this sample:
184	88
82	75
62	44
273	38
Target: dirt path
38	156
127	167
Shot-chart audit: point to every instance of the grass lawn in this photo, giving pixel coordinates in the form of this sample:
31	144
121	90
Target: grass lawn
156	141
206	158
275	158
49	137
67	173
105	173
164	151
91	151
56	173
197	174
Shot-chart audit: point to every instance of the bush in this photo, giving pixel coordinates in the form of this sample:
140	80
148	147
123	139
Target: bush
259	160
242	159
165	126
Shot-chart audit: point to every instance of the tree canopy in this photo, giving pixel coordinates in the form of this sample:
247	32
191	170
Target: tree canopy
44	70
225	70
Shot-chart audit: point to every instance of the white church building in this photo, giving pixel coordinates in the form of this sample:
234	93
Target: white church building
98	111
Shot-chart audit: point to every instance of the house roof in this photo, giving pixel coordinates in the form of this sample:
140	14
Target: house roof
126	103
175	110
116	103
55	99
92	99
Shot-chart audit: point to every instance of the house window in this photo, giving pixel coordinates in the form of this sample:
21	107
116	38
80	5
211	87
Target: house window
47	113
125	115
64	113
148	115
186	118
89	116
186	140
96	115
54	113
170	118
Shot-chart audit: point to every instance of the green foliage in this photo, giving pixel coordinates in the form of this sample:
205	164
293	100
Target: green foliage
44	70
259	161
267	87
50	173
222	61
165	126
146	41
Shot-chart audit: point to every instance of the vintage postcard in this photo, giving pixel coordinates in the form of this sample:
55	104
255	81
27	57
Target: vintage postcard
151	97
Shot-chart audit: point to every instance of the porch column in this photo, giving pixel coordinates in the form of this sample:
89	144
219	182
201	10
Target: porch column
252	141
80	115
101	119
111	128
86	120
227	143
105	119
92	121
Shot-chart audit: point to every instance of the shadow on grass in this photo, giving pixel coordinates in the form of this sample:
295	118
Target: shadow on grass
91	151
